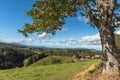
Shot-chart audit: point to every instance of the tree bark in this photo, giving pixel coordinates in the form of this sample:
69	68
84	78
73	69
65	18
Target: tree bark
106	29
109	51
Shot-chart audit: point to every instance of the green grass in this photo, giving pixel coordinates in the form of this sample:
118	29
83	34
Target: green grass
49	60
46	72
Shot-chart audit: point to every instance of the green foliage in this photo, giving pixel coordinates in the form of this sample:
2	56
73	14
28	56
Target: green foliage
11	57
27	62
46	72
49	15
71	52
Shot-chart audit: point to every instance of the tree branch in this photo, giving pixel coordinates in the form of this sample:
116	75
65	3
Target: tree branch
90	15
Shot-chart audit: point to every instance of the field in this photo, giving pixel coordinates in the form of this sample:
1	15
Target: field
52	60
65	71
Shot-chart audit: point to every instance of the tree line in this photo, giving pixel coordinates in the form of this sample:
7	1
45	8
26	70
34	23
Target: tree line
11	57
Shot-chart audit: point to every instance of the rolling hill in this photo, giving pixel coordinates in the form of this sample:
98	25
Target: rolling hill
12	44
46	72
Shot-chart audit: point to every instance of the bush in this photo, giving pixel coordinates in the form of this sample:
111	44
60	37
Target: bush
27	61
55	61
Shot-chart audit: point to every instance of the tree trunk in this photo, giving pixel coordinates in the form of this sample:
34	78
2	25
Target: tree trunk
109	51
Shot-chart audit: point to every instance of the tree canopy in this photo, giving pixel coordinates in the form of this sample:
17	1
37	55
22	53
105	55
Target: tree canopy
49	15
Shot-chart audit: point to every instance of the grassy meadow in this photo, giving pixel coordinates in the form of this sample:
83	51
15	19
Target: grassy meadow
52	60
65	71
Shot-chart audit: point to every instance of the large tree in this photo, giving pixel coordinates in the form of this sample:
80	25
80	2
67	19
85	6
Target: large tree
49	15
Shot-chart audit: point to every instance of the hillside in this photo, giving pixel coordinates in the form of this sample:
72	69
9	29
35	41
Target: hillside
46	72
11	57
52	60
12	44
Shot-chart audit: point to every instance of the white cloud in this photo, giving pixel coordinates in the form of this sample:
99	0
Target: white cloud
30	40
71	40
43	35
83	19
63	41
117	32
40	41
18	41
1	40
79	43
38	38
91	40
68	41
13	41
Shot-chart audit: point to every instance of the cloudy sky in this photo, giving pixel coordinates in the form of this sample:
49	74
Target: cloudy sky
74	34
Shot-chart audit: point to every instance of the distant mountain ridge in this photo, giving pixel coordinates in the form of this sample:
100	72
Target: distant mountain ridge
20	45
43	47
12	44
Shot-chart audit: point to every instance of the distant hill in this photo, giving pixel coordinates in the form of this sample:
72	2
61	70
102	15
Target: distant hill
21	45
43	47
12	44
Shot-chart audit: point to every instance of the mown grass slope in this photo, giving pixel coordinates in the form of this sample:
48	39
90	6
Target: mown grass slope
52	60
46	72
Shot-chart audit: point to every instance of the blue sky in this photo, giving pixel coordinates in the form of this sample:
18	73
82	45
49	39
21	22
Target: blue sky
75	33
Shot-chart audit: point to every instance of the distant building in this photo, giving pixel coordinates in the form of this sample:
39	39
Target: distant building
97	56
78	57
87	57
93	57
